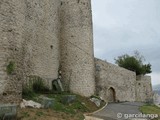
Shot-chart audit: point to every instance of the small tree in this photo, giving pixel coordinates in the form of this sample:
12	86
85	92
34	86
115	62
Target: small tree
134	63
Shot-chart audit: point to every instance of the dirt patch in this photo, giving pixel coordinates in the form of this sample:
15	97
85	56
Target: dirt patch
46	114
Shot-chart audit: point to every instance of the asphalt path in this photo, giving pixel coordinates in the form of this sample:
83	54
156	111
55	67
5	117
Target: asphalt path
121	111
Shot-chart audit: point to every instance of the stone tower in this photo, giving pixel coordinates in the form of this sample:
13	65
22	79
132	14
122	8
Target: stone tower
77	58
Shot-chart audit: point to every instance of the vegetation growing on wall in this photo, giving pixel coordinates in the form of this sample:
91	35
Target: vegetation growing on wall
28	93
134	63
10	67
39	86
36	85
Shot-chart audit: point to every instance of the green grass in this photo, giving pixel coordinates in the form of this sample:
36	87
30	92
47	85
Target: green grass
39	86
25	114
40	113
150	109
76	109
71	108
28	94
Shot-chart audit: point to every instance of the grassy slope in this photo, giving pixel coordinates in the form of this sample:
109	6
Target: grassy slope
73	111
150	109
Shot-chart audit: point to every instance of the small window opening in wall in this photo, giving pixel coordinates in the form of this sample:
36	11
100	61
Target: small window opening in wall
139	83
61	3
51	46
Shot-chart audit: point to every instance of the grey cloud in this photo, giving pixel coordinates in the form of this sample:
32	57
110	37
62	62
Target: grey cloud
122	26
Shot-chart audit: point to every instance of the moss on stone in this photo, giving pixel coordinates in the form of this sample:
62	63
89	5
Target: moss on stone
11	67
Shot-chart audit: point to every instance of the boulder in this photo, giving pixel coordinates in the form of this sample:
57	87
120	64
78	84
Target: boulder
47	102
8	112
67	99
30	103
96	101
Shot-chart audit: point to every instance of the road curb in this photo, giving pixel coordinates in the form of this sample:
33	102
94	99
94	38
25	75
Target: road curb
99	109
92	118
89	117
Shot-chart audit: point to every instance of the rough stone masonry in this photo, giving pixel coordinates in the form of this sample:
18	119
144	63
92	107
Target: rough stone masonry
43	37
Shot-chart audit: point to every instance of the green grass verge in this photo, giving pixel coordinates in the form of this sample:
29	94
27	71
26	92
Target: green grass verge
150	109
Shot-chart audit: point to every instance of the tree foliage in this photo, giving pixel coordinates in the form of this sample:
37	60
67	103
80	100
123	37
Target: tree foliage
134	63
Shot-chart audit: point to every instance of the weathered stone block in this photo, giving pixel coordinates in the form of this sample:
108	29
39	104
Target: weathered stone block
8	112
96	101
47	102
66	99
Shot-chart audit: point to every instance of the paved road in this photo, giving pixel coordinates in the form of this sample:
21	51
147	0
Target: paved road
119	111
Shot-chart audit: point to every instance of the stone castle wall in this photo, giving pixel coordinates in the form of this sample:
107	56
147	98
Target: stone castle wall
11	38
127	86
41	39
111	76
38	35
77	61
144	89
30	39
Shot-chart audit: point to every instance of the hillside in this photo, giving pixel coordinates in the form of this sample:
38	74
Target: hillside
57	106
157	91
156	88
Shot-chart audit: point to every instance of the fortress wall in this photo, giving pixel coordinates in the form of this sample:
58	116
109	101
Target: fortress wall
144	89
41	34
11	38
77	61
30	40
41	37
121	80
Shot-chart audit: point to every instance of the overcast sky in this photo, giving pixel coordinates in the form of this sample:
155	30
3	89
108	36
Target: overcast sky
123	26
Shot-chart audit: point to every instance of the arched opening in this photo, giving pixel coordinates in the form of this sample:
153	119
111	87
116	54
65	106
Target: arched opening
111	95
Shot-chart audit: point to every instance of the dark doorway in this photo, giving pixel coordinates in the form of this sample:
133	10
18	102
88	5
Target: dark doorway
111	95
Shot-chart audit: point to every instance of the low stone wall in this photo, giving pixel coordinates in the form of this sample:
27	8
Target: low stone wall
119	80
144	89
